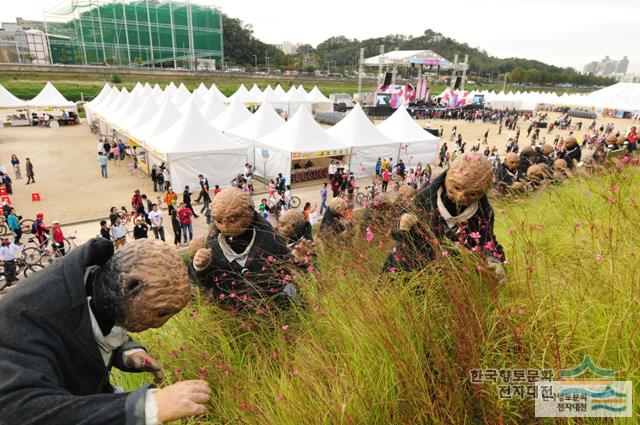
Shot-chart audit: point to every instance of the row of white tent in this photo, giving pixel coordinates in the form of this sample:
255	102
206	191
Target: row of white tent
621	97
197	133
49	100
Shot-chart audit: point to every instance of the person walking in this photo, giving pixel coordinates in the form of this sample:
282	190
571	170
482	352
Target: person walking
156	218
378	167
30	175
102	162
386	177
184	215
323	198
171	198
15	162
186	200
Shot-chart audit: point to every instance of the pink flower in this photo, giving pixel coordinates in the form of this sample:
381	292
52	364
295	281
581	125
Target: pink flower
475	235
625	160
475	249
599	256
369	236
445	253
244	406
614	188
578	224
233	295
281	397
489	245
510	230
195	314
392	269
521	311
285	328
310	269
295	373
222	296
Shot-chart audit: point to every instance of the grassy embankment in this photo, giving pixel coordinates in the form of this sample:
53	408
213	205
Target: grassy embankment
372	349
77	86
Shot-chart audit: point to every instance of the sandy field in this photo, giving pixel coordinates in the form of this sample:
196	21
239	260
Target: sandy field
71	188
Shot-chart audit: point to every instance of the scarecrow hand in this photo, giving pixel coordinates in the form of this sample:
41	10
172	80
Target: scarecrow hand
143	362
407	222
303	249
498	270
181	400
202	258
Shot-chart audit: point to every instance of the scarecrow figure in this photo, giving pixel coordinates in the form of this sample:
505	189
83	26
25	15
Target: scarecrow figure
243	262
572	153
508	172
454	207
336	221
65	327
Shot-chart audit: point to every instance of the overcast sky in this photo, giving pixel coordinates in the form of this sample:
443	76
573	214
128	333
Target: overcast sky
560	32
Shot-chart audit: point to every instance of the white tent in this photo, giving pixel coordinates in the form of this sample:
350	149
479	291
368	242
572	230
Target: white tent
115	119
319	101
156	91
137	89
101	97
181	96
367	141
218	93
170	90
201	89
279	90
235	114
417	144
213	106
242	94
255	94
104	110
140	116
50	101
11	105
299	138
264	121
192	146
163	119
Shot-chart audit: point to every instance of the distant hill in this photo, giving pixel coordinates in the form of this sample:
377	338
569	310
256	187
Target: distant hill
240	46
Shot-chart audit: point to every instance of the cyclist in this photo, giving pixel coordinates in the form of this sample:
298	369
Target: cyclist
57	238
40	230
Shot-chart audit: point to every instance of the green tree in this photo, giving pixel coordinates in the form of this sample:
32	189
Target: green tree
79	59
517	75
110	60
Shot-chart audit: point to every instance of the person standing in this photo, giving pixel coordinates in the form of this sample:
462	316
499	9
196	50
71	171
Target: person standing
154	177
287	197
156	218
177	226
57	238
205	198
140	230
104	230
8	253
40	230
102	162
166	178
323	198
186	200
378	167
118	234
184	214
14	225
386	177
171	198
6	181
333	168
15	162
30	174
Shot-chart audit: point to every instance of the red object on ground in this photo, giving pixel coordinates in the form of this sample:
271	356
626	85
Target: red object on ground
35	197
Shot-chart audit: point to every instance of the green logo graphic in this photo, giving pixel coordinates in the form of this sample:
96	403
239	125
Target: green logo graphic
587	364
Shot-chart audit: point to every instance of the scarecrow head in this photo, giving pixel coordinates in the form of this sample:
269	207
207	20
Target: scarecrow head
468	179
232	211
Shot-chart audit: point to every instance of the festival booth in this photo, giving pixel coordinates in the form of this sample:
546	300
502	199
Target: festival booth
192	146
255	95
12	110
416	144
49	101
368	143
235	114
294	100
115	101
181	96
264	121
300	149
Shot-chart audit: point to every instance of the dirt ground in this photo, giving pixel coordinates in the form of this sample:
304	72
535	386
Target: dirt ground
71	188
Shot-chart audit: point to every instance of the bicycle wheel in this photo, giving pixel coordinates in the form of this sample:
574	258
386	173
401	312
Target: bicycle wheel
3	229
32	255
67	245
294	202
360	199
31	269
25	225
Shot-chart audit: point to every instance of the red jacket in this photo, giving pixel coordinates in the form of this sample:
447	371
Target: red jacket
58	237
184	214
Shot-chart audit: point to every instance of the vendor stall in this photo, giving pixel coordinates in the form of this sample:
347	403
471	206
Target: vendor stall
50	102
12	109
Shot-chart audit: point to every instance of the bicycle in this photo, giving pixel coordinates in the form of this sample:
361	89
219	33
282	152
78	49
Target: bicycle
25	225
294	202
365	197
22	268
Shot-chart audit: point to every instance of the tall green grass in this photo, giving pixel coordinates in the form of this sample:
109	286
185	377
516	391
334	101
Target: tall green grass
397	349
